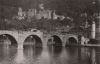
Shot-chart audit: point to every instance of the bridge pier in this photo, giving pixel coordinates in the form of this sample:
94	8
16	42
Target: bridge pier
20	46
20	41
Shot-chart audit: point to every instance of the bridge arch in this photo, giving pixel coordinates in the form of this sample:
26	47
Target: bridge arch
33	40
72	40
13	41
55	40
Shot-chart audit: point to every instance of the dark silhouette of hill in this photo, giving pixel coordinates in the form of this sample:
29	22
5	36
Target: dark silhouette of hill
72	8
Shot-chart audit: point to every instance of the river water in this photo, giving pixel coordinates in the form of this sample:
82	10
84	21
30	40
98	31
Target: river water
50	55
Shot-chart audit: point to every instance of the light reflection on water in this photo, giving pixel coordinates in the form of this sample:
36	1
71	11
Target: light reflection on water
51	55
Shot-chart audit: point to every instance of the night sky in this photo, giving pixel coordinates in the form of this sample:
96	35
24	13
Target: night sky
71	8
67	7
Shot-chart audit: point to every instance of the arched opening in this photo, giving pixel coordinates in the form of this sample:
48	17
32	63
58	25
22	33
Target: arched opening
55	41
7	39
72	40
32	41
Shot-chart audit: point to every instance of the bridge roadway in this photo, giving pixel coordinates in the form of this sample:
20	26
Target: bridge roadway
20	36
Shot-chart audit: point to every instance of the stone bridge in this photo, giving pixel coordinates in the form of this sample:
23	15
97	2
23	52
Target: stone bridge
19	37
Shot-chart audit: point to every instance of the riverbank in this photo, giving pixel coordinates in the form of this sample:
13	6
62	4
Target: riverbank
85	45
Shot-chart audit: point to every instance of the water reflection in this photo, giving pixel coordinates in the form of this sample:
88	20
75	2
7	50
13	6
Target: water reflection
20	58
33	51
54	50
83	55
72	55
50	55
92	56
72	50
6	54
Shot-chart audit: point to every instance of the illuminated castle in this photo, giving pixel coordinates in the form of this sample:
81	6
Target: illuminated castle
41	14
